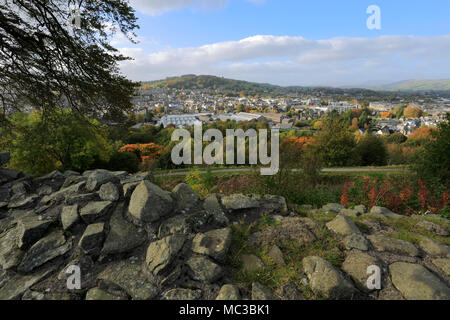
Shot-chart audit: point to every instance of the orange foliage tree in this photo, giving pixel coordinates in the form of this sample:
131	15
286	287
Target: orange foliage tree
412	112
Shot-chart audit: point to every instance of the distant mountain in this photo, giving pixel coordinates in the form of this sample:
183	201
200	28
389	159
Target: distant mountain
419	85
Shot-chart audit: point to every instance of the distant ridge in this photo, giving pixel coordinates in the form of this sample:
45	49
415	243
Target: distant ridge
192	81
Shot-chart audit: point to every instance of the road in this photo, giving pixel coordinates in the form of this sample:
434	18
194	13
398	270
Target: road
234	170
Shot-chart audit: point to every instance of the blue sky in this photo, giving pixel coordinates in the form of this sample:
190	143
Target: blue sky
321	42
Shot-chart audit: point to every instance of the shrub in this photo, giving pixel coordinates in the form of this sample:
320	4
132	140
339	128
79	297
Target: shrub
123	161
371	151
396	138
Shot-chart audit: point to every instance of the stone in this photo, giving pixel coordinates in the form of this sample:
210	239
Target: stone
356	241
69	216
415	282
333	207
183	224
87	273
95	210
92	238
128	189
290	291
185	197
149	202
23	201
46	249
31	229
251	263
385	212
16	285
384	243
72	180
9	175
214	243
161	253
109	192
350	213
98	177
123	236
4	158
10	254
80	199
212	206
63	193
356	264
443	264
361	209
99	294
239	202
182	294
228	292
433	227
276	255
20	188
434	248
128	275
326	280
45	190
203	269
270	204
343	226
260	292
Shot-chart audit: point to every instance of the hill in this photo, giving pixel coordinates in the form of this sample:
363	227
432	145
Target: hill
192	81
419	85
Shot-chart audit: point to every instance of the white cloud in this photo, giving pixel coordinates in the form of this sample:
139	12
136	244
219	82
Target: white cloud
292	60
155	7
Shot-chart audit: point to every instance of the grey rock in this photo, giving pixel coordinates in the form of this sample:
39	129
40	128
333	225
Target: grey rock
326	280
239	201
228	292
203	269
128	189
434	248
46	249
356	264
99	294
350	213
384	211
260	292
149	202
82	198
361	209
251	263
182	294
212	206
356	241
16	286
69	216
343	226
123	236
98	177
185	197
128	275
433	227
10	254
63	193
214	243
161	253
384	243
276	255
109	192
443	264
30	230
92	238
333	207
417	283
23	201
95	210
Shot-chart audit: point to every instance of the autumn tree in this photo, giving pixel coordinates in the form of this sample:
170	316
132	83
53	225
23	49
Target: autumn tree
412	112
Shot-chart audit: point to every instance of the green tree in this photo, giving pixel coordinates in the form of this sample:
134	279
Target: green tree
336	143
433	162
371	151
67	142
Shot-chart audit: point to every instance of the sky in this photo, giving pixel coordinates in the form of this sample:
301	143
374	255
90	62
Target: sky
290	42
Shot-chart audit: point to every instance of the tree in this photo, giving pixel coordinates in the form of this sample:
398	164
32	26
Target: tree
66	142
371	151
433	162
49	64
336	143
412	112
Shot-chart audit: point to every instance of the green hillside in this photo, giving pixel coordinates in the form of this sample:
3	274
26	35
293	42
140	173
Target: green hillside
420	85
